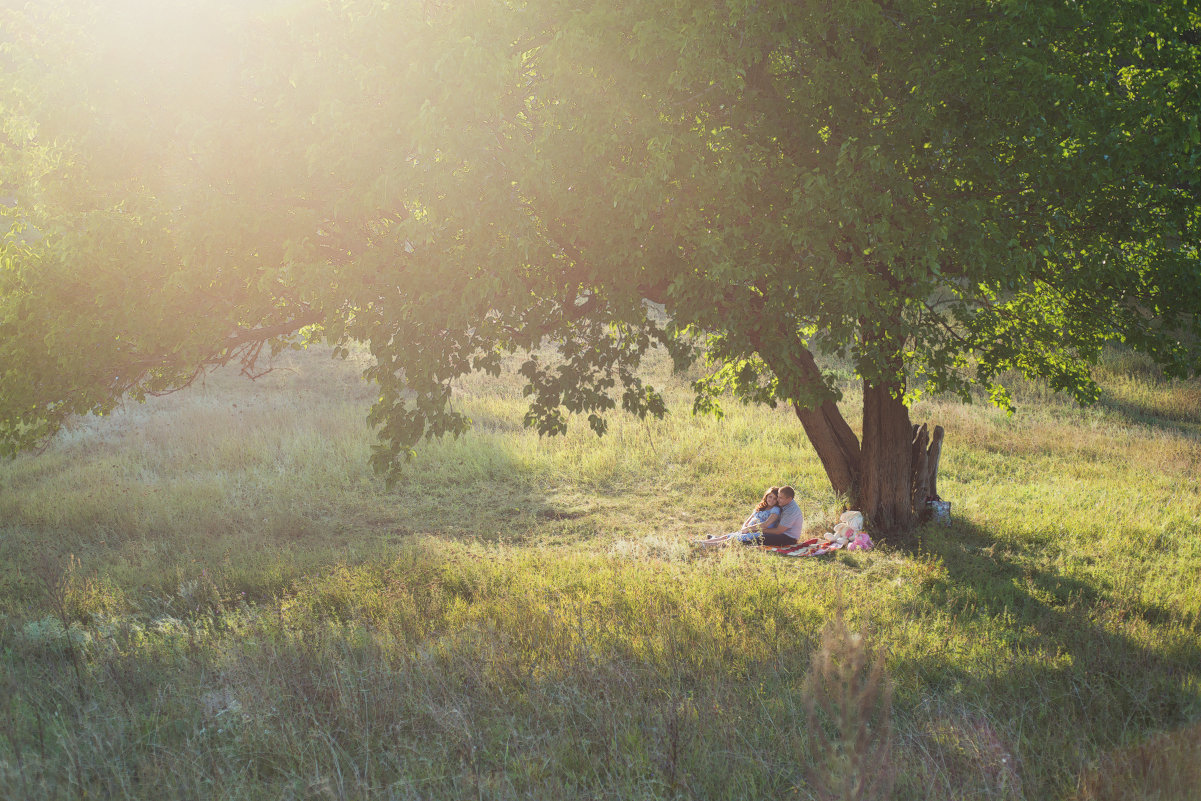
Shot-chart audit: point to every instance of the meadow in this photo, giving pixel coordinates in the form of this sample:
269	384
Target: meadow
211	596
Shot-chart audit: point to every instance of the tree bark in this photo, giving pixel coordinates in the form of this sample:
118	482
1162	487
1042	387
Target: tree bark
886	477
835	444
919	473
935	454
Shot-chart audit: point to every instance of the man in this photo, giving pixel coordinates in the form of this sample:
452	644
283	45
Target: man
787	530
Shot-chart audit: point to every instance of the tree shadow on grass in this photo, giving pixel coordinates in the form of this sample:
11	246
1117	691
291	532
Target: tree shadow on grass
1004	577
478	487
1186	423
1055	655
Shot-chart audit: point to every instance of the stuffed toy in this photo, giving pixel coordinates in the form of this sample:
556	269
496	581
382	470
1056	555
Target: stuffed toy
862	542
847	531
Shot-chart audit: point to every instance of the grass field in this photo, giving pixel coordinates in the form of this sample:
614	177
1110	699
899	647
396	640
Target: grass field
211	596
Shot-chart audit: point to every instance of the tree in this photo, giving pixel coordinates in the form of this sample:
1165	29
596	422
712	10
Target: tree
938	192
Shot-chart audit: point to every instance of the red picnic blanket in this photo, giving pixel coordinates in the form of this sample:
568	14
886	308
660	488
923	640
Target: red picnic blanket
813	547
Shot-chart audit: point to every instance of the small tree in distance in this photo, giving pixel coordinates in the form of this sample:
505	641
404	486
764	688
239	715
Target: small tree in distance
937	192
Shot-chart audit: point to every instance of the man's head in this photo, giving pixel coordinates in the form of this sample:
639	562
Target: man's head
786	495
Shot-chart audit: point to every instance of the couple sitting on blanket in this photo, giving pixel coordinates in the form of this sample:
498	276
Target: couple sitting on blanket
777	520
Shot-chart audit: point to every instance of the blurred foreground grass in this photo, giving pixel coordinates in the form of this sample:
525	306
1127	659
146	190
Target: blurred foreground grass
211	596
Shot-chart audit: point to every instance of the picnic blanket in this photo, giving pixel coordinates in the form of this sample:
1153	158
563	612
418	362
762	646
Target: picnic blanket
813	547
847	534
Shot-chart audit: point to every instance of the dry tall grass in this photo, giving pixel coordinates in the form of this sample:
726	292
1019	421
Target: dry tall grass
1165	767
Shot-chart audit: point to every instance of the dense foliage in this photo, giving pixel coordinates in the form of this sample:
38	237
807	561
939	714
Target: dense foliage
940	192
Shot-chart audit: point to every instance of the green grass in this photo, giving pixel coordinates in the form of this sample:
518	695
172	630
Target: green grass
211	596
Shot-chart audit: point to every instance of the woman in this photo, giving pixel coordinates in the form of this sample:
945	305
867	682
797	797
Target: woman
762	516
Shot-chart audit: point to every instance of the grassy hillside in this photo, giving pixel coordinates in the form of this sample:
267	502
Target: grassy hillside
211	596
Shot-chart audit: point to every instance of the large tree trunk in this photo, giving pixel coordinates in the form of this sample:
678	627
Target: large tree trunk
886	466
895	471
890	475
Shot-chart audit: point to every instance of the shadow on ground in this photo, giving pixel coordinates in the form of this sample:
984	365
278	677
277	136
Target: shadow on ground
1057	653
1185	421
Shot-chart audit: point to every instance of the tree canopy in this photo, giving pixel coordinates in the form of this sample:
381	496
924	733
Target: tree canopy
940	192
